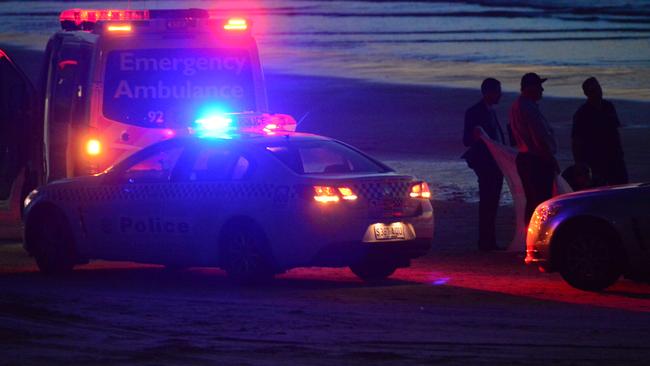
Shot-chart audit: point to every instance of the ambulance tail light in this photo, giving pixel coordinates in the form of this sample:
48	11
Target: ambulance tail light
236	24
329	194
420	190
93	147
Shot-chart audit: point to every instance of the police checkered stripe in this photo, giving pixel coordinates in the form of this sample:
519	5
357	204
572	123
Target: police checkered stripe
183	191
373	190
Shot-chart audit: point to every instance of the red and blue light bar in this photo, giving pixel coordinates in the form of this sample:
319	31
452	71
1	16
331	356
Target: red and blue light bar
225	125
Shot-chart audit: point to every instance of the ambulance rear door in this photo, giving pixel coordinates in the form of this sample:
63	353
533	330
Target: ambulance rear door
18	112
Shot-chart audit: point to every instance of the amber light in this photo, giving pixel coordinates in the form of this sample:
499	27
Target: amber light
93	147
420	190
120	28
239	24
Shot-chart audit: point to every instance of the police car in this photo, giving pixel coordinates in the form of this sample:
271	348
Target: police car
593	237
255	203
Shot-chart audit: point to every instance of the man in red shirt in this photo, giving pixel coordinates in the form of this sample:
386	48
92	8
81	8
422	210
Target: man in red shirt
536	143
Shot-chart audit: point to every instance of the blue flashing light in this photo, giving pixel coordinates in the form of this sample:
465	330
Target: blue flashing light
215	126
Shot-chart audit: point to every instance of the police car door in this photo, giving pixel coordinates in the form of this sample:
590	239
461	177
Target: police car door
135	217
217	180
17	102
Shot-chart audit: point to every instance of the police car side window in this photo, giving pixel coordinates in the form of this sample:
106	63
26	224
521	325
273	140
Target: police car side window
156	167
323	160
324	157
214	163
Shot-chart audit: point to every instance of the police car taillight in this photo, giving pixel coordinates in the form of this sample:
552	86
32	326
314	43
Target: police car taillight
327	194
85	19
420	190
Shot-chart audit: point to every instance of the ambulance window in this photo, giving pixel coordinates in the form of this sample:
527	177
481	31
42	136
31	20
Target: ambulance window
156	167
169	87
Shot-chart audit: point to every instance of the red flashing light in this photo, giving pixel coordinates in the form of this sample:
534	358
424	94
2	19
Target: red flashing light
84	19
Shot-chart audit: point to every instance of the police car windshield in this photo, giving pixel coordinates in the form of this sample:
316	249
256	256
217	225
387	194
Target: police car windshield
166	88
324	157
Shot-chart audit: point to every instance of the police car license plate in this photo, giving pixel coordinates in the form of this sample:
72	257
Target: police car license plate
389	232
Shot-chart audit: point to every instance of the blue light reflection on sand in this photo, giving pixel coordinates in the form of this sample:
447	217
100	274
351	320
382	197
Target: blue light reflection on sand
440	281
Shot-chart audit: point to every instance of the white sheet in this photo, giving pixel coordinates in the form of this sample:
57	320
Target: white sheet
505	157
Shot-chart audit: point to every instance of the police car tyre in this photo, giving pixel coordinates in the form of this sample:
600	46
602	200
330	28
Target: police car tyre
373	269
246	254
590	259
51	242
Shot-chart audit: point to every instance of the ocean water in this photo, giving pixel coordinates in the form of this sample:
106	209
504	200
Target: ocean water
451	43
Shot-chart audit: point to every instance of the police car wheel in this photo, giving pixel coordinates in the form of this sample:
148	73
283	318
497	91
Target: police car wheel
590	260
53	244
246	254
373	270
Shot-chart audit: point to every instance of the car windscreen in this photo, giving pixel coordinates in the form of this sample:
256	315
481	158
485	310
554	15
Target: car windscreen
324	157
169	88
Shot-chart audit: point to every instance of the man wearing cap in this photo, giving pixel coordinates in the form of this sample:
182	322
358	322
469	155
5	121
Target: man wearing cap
490	178
535	142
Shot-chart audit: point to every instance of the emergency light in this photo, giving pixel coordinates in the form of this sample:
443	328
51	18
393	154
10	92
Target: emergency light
224	124
86	19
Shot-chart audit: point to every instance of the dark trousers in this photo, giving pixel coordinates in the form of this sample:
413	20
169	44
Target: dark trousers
537	176
490	182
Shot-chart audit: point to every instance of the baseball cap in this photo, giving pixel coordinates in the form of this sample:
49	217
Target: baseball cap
531	79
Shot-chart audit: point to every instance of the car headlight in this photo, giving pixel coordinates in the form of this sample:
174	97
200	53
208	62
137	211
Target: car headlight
543	213
30	197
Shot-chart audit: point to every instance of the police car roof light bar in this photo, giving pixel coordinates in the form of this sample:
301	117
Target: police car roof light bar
218	125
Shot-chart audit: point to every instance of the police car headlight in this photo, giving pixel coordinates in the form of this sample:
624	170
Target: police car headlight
30	197
543	214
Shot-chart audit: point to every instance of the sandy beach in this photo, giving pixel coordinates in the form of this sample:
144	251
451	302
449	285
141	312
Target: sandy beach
418	130
455	306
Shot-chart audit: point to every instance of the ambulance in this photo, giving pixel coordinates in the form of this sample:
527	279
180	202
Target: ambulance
113	82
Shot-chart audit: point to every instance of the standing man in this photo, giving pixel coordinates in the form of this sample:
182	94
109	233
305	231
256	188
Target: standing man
595	140
536	144
478	157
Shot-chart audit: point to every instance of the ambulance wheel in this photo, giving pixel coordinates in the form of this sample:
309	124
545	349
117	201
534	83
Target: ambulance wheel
52	242
373	270
246	254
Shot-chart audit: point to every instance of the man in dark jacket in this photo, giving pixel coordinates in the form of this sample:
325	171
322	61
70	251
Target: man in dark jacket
478	157
595	140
